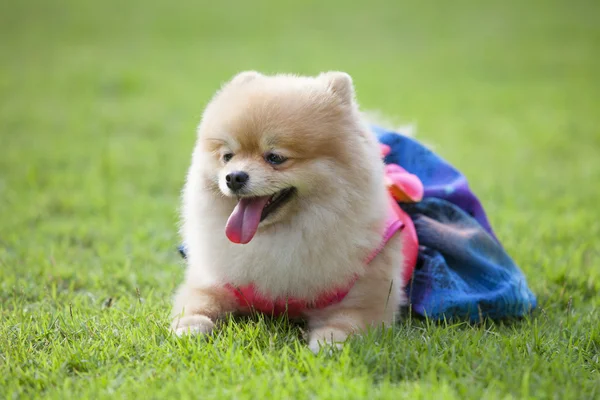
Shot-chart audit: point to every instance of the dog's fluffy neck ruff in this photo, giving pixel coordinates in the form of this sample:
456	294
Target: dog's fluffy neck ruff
309	253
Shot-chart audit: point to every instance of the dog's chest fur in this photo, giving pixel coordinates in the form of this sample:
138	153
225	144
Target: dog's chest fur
303	257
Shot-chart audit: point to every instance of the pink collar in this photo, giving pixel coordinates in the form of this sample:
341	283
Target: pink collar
402	187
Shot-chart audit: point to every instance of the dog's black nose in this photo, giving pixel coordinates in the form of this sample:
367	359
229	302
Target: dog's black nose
236	180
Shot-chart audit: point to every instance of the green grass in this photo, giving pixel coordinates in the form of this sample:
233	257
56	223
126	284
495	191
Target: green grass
99	101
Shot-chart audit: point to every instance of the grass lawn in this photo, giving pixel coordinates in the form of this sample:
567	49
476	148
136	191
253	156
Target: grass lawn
98	105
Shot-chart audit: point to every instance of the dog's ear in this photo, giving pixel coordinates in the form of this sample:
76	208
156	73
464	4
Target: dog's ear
340	83
244	77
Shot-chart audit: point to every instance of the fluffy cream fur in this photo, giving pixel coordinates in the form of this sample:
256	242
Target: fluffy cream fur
315	242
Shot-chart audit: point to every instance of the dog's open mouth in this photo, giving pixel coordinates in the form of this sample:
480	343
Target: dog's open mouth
251	211
276	201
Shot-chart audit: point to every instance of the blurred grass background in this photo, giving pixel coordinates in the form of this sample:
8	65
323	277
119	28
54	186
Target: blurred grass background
98	106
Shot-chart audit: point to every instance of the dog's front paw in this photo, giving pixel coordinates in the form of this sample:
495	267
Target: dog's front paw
192	325
327	338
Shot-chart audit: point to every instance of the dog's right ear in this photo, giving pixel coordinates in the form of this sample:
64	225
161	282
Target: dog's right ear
339	83
244	77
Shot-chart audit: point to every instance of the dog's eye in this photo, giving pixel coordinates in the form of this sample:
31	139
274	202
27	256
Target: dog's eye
274	159
227	157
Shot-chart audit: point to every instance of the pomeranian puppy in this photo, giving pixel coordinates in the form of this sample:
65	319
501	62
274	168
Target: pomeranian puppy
284	211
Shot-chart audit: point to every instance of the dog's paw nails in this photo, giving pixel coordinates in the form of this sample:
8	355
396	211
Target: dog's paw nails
193	325
327	348
327	339
314	346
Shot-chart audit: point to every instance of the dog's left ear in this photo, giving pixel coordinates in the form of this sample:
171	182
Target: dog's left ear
244	77
340	83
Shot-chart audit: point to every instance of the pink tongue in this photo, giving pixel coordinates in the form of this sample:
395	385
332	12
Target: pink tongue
243	221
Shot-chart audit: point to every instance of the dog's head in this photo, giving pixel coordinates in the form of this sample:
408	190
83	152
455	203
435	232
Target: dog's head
274	142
